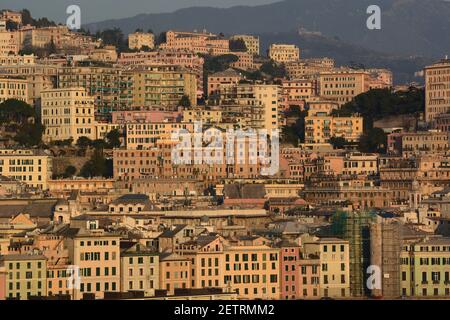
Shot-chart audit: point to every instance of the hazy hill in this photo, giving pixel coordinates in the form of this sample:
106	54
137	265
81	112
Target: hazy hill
409	27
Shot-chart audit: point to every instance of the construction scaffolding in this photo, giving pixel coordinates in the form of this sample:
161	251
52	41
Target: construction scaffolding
386	245
354	226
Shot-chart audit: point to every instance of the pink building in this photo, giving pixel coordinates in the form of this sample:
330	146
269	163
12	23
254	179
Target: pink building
2	285
289	273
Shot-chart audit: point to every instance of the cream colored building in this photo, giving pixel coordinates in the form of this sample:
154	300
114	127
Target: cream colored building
97	254
437	89
26	275
263	100
13	88
67	113
251	42
162	85
321	128
253	271
202	115
9	42
283	53
9	59
342	85
335	266
29	166
138	40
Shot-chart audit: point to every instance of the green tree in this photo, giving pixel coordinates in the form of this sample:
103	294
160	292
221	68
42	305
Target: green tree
238	45
69	171
96	166
113	139
375	140
185	101
84	142
338	142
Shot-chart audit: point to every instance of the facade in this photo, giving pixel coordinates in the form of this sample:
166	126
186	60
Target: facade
253	271
139	268
283	53
13	88
425	268
26	275
138	40
162	85
321	128
437	79
342	85
174	272
29	166
227	77
251	42
335	266
408	144
198	42
67	113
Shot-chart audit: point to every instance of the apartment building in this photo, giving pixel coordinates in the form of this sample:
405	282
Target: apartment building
263	100
138	40
174	272
342	85
321	128
162	85
198	42
147	135
9	42
437	89
253	271
204	116
227	77
26	275
283	53
39	77
111	87
182	58
335	266
415	143
245	61
425	268
32	167
206	254
296	92
14	59
97	254
13	88
67	113
139	268
308	67
251	42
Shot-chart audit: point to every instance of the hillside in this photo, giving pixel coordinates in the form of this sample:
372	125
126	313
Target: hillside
409	27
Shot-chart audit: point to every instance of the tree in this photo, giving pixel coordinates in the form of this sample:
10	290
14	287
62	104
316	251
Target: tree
238	45
30	134
96	166
84	142
11	25
375	140
273	69
113	139
338	142
185	101
161	38
296	132
69	171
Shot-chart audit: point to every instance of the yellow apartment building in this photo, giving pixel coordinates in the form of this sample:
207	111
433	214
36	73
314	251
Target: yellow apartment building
342	85
425	268
437	89
137	40
335	266
97	254
26	275
251	42
139	268
13	88
162	85
283	53
30	166
67	113
252	271
321	128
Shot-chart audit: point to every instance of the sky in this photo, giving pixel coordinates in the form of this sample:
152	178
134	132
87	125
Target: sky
99	10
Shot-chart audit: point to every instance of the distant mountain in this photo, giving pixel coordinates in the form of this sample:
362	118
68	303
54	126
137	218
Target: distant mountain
408	27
